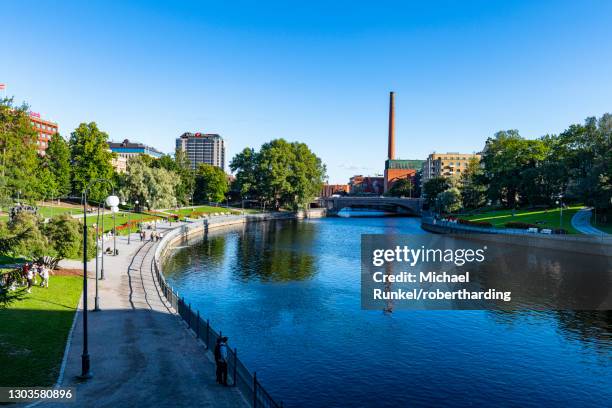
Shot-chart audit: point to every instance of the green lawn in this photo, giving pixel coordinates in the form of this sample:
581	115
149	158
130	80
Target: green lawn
542	218
34	332
49	212
200	209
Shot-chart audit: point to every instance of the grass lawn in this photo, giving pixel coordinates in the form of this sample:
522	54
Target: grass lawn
543	218
34	332
200	209
49	212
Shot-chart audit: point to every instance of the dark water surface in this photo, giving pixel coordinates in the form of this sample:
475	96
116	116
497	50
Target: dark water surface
288	296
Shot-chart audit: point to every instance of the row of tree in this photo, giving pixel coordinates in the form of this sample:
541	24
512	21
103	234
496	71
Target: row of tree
574	166
281	174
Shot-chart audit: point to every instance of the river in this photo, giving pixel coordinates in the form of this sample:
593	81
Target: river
287	294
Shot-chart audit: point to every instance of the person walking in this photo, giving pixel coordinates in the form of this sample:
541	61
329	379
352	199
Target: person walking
30	278
44	275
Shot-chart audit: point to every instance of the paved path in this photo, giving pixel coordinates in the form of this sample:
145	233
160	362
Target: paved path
582	222
142	354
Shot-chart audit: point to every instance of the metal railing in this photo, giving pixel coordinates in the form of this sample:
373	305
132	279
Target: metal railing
238	375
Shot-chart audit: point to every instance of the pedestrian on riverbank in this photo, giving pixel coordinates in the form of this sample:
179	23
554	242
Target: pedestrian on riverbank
223	353
217	353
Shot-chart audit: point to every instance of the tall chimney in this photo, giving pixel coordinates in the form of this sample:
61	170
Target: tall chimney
391	153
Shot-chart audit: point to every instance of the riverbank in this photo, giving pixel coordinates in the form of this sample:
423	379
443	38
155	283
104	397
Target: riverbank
585	244
141	352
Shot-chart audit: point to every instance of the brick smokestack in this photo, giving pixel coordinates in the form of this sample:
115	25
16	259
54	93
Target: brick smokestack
391	152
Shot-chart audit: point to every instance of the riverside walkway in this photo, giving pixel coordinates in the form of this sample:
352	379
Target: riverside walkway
581	221
142	354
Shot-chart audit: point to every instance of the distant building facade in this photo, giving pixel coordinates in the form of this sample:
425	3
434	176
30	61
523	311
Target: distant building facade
207	148
119	164
367	185
129	149
45	130
329	190
450	165
396	169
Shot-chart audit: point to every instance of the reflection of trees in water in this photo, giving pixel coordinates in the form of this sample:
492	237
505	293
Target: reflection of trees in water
208	249
276	251
587	326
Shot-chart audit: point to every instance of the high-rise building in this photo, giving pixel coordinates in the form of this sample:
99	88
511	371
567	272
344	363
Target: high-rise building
207	148
450	164
129	149
45	130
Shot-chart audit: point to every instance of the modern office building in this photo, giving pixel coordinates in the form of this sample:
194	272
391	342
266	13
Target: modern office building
129	149
45	130
207	148
450	164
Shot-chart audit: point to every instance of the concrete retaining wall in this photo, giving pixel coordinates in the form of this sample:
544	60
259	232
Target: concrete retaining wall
591	245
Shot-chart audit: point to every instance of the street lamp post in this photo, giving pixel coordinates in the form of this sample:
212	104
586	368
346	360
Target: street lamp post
96	299
129	225
85	361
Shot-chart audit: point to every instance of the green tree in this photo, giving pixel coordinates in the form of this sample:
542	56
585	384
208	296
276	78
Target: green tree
34	243
245	165
47	186
18	150
65	235
57	158
151	186
211	184
435	186
471	184
401	188
306	177
91	159
449	200
507	159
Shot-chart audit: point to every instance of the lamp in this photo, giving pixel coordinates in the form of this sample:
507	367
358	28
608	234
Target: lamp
112	201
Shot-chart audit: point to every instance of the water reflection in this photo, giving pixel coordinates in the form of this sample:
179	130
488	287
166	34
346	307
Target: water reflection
275	252
288	295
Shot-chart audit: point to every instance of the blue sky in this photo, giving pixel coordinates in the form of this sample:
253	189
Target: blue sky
317	72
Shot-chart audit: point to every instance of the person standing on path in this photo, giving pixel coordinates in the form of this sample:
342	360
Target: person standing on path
223	353
218	360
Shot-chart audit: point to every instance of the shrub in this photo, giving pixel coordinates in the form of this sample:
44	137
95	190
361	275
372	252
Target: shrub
520	225
485	224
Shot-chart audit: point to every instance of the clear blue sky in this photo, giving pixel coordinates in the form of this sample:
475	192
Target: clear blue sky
317	72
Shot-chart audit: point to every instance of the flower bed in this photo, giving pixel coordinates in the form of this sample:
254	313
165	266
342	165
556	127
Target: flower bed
484	224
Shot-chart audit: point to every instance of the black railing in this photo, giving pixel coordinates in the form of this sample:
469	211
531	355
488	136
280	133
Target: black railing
239	375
